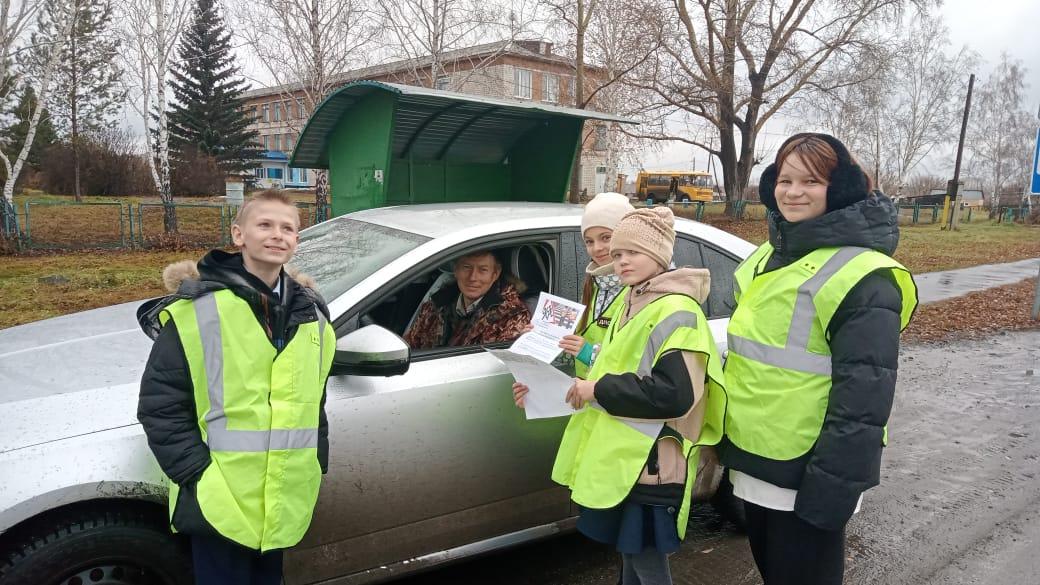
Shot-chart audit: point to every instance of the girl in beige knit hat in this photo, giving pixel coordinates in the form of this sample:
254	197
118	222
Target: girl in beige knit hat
650	401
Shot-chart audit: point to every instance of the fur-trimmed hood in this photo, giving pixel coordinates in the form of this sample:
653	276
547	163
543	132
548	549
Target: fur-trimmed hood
175	274
219	270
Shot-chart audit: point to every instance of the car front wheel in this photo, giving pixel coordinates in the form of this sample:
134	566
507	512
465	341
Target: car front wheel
97	548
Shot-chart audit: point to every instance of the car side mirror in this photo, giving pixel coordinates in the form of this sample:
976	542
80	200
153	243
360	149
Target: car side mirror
371	351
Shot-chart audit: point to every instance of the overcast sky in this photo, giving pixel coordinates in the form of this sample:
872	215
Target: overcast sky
1014	26
1004	25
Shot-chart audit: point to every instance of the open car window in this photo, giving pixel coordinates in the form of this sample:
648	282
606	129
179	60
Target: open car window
532	263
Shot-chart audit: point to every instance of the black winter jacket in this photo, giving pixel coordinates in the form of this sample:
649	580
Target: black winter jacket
864	343
166	407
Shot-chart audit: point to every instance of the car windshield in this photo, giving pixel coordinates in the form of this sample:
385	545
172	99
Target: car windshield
342	252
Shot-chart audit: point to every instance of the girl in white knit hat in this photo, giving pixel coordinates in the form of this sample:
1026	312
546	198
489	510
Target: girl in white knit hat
653	397
601	294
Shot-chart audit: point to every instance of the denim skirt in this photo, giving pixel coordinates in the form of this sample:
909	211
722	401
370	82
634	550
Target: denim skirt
632	527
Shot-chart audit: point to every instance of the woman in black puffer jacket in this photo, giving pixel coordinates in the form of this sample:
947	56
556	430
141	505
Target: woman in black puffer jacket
813	353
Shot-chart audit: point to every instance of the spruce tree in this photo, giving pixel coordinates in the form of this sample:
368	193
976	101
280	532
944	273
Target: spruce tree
86	94
207	117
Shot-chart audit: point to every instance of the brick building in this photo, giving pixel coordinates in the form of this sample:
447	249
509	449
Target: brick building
525	69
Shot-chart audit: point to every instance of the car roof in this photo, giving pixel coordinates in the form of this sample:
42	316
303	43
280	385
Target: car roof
441	219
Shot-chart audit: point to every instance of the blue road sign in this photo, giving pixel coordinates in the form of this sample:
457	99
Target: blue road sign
1035	183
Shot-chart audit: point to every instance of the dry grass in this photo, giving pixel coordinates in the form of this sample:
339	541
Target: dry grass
39	285
47	285
928	249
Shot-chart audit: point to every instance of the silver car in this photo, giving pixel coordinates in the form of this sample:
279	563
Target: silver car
430	460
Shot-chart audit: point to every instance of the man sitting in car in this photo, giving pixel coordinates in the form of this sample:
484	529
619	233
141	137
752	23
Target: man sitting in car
482	306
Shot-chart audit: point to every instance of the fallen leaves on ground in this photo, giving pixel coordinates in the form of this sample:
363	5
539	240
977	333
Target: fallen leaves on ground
975	315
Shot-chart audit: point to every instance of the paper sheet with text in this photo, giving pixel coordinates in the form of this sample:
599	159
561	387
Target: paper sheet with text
529	358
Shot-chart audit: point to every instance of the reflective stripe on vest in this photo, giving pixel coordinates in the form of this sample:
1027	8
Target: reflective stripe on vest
601	456
660	333
218	436
259	411
778	374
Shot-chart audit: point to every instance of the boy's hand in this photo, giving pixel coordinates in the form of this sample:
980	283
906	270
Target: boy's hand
581	392
572	344
519	391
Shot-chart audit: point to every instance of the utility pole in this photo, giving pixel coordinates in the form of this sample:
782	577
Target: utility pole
953	187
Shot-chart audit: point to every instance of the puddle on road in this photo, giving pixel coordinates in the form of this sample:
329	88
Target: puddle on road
939	286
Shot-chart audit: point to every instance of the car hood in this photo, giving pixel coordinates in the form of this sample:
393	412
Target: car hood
71	375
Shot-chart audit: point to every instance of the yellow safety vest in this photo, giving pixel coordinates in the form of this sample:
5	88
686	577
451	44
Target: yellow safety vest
778	371
601	456
258	412
596	328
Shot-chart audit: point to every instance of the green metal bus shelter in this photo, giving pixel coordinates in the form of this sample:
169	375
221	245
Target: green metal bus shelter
389	144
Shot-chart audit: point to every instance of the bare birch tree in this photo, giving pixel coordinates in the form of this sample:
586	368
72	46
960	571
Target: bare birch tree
16	16
305	46
728	66
1001	131
151	30
46	51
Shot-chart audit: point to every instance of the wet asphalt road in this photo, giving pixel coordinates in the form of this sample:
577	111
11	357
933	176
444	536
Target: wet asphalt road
959	500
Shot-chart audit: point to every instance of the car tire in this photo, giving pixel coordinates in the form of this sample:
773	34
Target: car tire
109	547
728	505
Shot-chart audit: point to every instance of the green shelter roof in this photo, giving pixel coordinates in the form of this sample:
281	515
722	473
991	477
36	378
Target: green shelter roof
430	124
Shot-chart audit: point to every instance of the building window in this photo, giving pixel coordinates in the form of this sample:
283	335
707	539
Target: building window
273	173
303	175
267	142
276	142
278	111
443	82
259	173
254	113
600	142
551	90
267	112
522	81
300	111
287	142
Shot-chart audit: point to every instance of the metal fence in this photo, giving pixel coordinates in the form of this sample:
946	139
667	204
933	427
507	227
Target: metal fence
915	214
698	210
50	225
1012	214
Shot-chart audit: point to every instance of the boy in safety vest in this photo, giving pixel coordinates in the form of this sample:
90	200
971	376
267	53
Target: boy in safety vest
652	398
233	397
